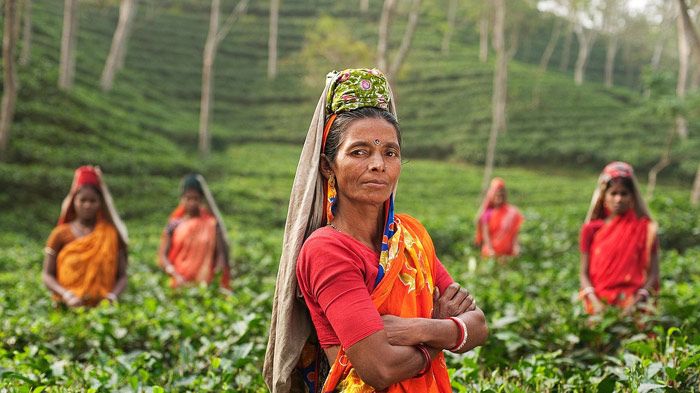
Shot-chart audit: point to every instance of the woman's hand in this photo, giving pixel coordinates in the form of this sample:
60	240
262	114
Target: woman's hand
402	331
596	305
71	299
455	301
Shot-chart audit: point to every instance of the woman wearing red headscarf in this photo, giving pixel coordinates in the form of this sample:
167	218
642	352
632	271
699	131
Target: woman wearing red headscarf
619	246
498	223
86	257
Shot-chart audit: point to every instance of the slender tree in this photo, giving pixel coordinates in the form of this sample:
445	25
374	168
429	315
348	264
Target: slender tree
694	39
551	44
406	41
214	37
272	40
500	89
69	38
586	38
484	31
613	24
683	69
383	36
566	51
117	52
26	51
451	19
9	75
364	6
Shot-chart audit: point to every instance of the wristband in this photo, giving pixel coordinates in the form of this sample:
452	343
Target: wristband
426	358
67	295
585	292
462	339
643	292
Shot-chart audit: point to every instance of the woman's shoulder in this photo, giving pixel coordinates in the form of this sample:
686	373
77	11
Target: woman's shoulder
324	237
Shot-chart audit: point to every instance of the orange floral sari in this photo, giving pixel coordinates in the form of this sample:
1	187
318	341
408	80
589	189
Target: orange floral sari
406	290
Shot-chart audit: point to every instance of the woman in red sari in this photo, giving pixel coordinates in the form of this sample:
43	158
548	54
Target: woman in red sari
378	307
619	246
193	245
498	223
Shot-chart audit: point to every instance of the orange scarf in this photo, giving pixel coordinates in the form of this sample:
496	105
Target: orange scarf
87	266
193	246
405	291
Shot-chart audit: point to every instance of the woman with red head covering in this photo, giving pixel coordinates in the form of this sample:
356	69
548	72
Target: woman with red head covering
193	244
86	256
498	223
619	246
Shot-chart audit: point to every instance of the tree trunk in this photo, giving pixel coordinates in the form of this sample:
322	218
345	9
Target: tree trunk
500	90
117	53
695	194
656	57
484	38
553	39
695	79
364	6
683	68
69	37
26	52
272	41
214	38
451	19
406	40
585	41
9	75
664	161
207	76
692	35
566	51
610	61
383	36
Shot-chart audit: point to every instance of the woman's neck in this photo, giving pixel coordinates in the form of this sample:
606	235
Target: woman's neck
87	222
365	223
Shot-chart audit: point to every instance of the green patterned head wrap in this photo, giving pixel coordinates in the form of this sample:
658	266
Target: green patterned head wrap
357	88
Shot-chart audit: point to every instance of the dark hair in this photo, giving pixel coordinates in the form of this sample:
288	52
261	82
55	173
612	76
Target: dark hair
191	182
625	181
343	121
93	187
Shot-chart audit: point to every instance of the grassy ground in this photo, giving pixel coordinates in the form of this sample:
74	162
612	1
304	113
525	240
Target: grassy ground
198	339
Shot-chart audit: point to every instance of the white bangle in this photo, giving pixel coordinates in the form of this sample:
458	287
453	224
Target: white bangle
643	292
67	295
463	326
586	291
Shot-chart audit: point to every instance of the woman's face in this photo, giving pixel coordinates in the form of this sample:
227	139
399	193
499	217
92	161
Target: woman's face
618	199
87	203
368	163
499	198
192	200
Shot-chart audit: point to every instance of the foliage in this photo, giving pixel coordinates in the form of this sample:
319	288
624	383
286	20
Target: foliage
329	45
198	339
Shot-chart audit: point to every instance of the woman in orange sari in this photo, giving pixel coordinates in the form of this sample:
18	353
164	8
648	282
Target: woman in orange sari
498	223
619	246
86	257
362	302
193	245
